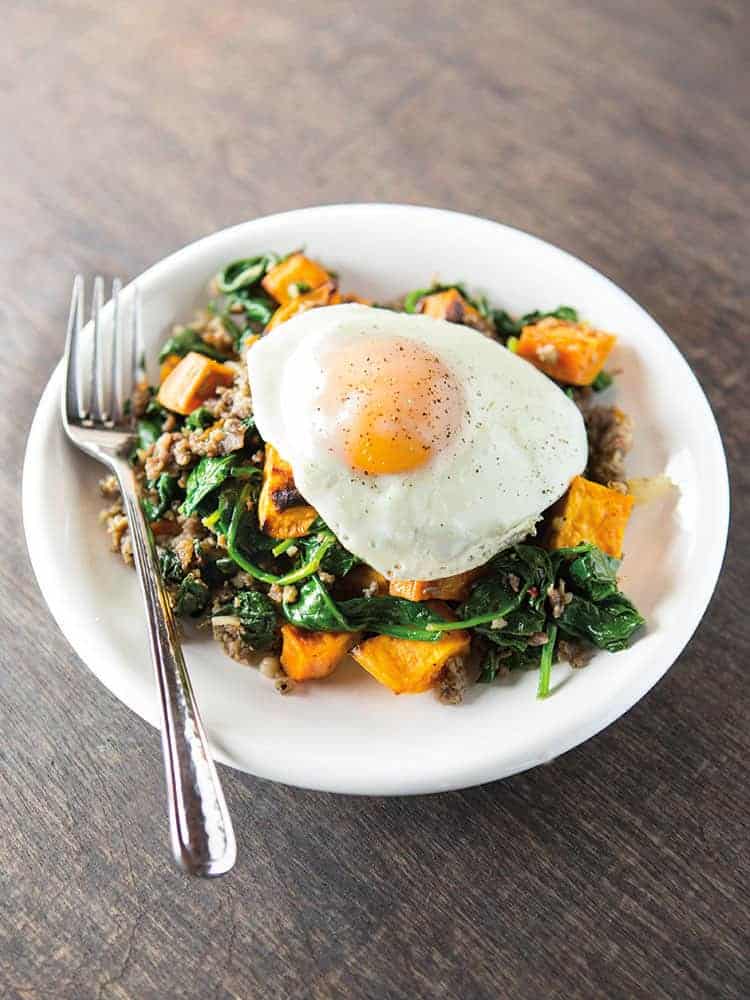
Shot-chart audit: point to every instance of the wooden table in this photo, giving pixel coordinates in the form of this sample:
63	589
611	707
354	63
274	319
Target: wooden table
615	129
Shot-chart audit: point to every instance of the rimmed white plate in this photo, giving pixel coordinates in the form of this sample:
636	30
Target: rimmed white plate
348	734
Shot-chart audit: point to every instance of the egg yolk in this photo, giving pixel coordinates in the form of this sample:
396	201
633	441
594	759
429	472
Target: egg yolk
393	403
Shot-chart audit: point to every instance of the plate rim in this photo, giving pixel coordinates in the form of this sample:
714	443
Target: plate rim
572	734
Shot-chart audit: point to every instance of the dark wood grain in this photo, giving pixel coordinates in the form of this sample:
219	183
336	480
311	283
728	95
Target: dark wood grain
617	129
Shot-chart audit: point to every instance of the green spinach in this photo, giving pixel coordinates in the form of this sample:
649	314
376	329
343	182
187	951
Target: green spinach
245	272
167	490
545	663
245	536
393	616
170	566
609	624
207	476
506	326
199	419
316	610
186	340
257	614
192	597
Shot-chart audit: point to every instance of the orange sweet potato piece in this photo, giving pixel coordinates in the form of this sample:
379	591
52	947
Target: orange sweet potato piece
572	353
451	306
307	656
325	295
449	588
193	380
408	666
168	365
590	513
283	281
282	512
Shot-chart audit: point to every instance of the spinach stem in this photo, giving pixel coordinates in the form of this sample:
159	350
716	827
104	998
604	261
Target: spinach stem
287	543
307	569
490	616
545	664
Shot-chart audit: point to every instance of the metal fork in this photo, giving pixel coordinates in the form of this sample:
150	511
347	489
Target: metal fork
97	422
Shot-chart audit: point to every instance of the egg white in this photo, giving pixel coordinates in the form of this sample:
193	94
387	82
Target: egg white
521	442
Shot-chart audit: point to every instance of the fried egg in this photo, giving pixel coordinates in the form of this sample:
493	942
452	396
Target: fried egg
424	445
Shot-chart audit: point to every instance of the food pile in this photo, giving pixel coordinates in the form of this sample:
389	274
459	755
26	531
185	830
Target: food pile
451	517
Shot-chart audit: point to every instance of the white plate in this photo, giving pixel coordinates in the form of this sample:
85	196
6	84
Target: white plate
349	734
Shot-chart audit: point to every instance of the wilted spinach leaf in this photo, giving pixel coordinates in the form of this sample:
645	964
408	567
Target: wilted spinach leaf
192	597
506	326
199	419
167	489
315	609
258	310
147	431
245	272
491	599
257	614
245	542
591	572
187	340
337	560
208	474
608	624
170	566
392	616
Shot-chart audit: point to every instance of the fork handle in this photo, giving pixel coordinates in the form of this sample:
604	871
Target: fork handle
201	830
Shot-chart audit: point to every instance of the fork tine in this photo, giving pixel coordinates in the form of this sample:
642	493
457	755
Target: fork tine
72	397
115	388
96	405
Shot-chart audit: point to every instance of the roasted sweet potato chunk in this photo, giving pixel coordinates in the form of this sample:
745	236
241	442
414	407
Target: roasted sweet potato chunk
193	380
282	512
168	365
453	307
590	513
408	666
326	295
449	588
294	276
573	353
307	656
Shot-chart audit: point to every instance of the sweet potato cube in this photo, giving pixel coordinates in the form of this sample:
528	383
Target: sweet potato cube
168	365
408	666
572	353
325	295
282	512
590	513
451	306
307	656
449	588
293	277
192	381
